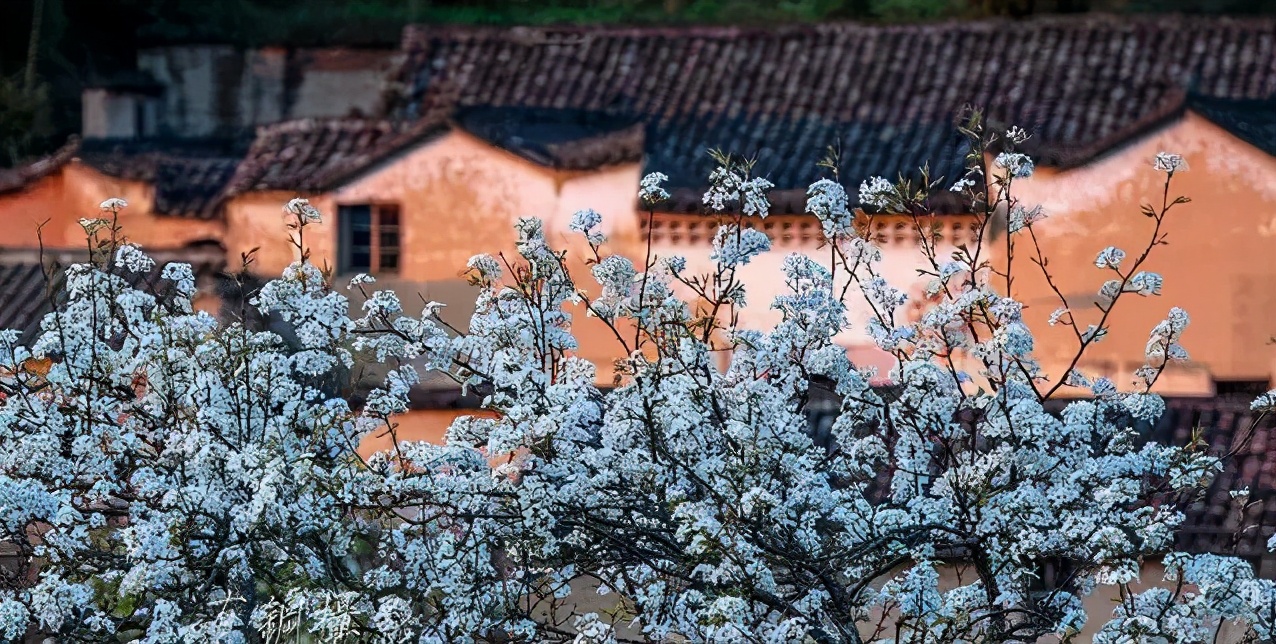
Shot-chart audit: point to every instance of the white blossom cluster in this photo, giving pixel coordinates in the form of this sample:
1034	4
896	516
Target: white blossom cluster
170	478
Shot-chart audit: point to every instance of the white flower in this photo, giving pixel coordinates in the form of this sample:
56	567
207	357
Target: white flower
1169	162
486	266
359	280
1021	218
182	276
827	200
676	264
114	204
616	275
1145	283
1109	257
962	184
1177	353
878	193
754	197
733	246
1018	165
1094	333
181	444
724	189
1265	402
1017	135
650	190
133	259
432	309
302	209
584	222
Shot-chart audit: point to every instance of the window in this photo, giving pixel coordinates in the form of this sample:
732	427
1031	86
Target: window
369	238
1242	388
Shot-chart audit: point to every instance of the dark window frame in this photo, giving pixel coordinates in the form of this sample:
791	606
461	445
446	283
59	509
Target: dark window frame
384	228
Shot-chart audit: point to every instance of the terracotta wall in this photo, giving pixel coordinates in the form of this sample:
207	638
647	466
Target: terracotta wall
256	222
1218	263
63	198
428	425
458	196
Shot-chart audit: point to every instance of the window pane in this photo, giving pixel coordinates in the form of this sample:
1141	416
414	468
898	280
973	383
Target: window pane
355	216
389	261
389	238
360	259
388	215
355	237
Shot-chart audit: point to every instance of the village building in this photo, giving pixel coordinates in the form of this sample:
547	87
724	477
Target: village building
1217	260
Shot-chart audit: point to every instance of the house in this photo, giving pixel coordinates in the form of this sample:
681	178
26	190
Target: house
472	122
1089	88
171	184
1217	262
476	126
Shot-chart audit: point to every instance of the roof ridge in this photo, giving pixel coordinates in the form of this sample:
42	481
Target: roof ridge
19	177
529	34
307	124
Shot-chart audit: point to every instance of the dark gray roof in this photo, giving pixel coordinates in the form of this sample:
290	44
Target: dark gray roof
1252	121
887	94
564	139
188	175
31	282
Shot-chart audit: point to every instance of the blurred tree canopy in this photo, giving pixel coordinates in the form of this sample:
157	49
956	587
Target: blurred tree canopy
50	49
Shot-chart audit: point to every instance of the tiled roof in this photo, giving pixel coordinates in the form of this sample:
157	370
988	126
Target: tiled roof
313	155
14	179
562	139
786	152
1252	121
1082	84
187	176
1215	522
26	292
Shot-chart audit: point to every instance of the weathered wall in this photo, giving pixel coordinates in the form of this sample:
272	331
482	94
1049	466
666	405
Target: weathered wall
106	114
691	236
196	81
211	89
63	198
256	220
458	197
1218	264
340	82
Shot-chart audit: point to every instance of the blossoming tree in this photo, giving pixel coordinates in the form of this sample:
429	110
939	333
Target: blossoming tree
169	477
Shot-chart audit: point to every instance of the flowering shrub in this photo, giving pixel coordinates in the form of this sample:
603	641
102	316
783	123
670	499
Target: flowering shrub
171	478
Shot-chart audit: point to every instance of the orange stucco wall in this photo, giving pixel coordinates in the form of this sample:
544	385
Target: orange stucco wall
64	197
691	236
1218	263
256	223
429	425
458	197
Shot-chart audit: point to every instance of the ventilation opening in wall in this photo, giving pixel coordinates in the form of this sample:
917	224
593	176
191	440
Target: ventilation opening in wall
1247	388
